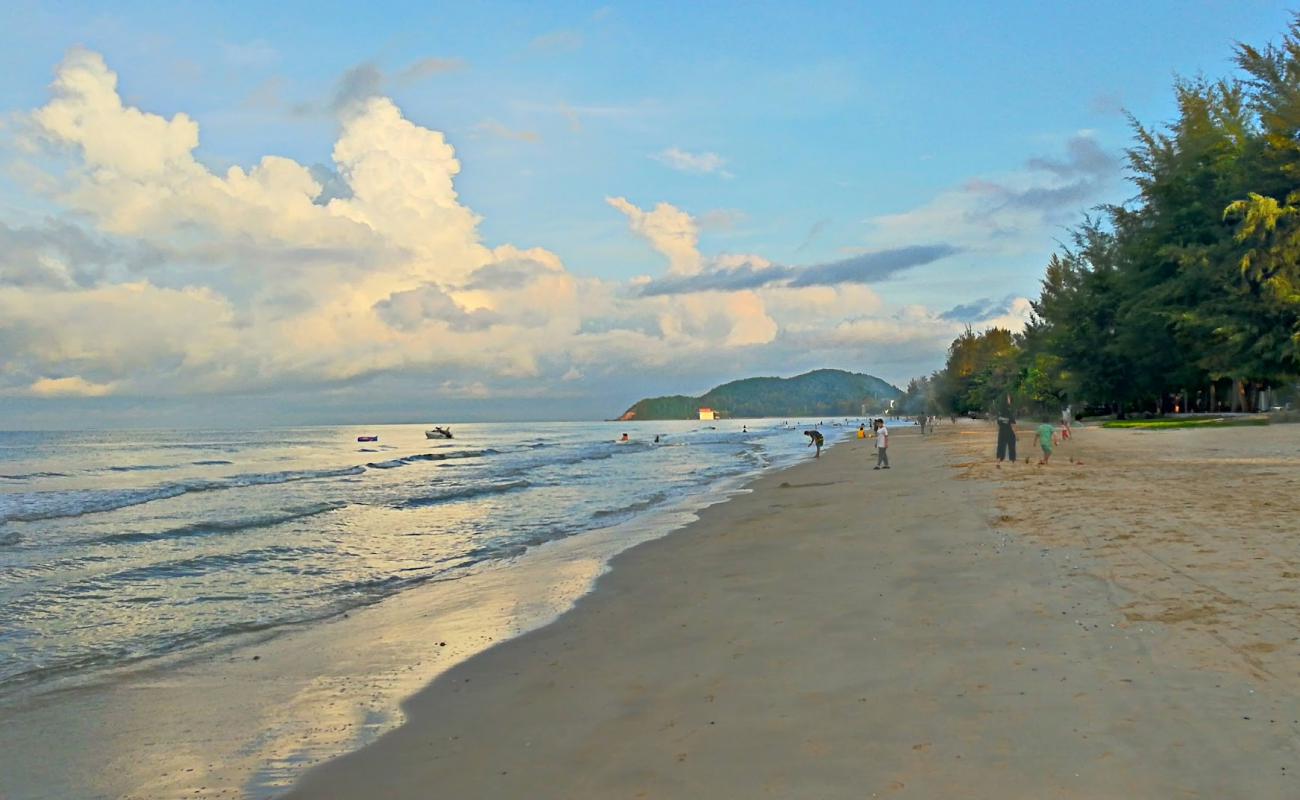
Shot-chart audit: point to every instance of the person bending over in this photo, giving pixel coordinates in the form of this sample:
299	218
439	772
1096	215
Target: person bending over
815	438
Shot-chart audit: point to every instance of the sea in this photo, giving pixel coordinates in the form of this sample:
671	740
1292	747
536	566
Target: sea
117	547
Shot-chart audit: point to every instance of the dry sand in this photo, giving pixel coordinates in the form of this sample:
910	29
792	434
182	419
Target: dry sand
1198	530
842	632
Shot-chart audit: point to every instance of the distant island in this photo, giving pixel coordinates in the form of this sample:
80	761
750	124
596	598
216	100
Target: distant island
820	393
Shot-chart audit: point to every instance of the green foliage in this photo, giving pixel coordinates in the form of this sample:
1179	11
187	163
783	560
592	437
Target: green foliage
920	397
823	392
982	370
1192	288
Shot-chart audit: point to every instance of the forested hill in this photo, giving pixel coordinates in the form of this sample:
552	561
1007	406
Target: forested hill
820	393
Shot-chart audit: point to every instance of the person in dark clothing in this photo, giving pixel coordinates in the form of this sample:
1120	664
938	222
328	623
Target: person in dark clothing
1006	435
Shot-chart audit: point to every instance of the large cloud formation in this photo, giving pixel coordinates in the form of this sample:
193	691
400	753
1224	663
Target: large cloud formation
164	277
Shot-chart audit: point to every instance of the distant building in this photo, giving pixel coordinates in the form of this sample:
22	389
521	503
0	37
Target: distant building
708	414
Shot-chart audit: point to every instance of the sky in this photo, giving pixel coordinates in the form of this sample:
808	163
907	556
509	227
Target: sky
300	213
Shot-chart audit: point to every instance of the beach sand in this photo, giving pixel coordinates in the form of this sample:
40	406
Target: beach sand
1121	628
1196	528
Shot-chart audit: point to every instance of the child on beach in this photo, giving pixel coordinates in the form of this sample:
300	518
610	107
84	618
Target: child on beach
882	445
1046	439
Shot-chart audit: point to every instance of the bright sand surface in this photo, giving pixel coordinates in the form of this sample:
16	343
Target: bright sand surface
1125	627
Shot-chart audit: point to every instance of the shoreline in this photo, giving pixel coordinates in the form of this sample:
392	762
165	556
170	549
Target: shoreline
275	702
798	641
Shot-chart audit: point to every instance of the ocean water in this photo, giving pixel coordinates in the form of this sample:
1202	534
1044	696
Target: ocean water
116	547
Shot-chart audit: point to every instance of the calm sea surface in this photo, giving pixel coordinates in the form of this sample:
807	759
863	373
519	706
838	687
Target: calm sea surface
122	546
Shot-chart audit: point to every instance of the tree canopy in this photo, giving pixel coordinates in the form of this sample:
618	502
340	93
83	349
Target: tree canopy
1186	297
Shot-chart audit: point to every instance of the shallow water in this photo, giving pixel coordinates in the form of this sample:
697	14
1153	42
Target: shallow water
117	547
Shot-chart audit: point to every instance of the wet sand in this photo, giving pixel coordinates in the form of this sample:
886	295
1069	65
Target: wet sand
942	629
245	718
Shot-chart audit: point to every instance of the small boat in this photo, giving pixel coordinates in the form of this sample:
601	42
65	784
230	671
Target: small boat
438	433
367	438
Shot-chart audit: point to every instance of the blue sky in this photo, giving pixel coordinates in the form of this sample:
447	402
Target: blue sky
794	136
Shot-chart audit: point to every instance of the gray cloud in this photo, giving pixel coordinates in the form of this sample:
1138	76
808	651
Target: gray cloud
1046	198
60	255
746	276
1084	157
506	275
871	267
864	268
356	86
977	310
1086	167
409	310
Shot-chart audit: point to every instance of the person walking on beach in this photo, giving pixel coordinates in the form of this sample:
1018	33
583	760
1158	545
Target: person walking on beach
1065	422
815	438
1006	434
882	445
1046	440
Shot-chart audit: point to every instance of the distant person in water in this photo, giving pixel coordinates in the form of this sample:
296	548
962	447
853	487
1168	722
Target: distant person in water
656	438
815	438
744	429
882	444
1046	440
624	439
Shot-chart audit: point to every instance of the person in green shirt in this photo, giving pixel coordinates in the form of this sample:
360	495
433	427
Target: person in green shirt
1046	439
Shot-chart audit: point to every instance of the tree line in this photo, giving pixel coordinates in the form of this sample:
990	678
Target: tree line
1186	298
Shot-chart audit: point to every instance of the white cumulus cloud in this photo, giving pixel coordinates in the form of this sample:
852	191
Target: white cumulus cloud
160	276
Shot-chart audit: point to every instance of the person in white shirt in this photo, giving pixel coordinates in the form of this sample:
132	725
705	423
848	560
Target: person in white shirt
882	445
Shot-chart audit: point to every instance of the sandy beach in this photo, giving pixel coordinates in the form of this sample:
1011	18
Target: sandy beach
1124	627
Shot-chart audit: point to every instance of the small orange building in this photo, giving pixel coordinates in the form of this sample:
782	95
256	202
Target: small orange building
708	414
